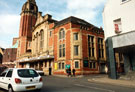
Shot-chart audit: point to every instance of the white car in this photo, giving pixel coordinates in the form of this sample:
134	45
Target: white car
18	79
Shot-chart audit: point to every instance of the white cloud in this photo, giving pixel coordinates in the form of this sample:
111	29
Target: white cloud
4	44
84	9
84	4
9	24
9	28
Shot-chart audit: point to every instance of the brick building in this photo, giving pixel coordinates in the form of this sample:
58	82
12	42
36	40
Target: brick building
57	45
9	57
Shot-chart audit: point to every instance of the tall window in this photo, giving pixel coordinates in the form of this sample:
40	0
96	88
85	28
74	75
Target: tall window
117	26
91	46
76	50
75	36
76	64
92	65
100	48
59	65
62	34
63	65
36	42
41	39
62	50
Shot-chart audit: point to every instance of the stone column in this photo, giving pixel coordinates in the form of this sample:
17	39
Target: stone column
110	59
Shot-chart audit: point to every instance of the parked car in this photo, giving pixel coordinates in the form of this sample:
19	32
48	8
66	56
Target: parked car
17	79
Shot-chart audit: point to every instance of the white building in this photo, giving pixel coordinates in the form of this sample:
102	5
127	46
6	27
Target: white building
119	26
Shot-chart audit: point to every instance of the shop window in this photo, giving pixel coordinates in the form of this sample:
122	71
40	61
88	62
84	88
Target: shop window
75	36
91	46
117	26
76	50
85	63
76	64
100	48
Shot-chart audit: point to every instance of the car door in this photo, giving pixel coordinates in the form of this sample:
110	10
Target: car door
8	78
2	79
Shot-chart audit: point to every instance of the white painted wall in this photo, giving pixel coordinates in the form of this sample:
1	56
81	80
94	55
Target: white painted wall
115	9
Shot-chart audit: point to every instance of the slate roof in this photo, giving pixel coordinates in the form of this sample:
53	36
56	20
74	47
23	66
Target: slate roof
75	20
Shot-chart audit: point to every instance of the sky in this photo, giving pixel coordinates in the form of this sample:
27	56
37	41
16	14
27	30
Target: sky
89	10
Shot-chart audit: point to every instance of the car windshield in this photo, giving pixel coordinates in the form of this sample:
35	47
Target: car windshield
27	73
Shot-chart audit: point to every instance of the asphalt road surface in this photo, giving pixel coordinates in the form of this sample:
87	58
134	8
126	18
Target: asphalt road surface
64	84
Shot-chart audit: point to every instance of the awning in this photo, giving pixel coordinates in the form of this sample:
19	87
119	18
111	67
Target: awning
34	59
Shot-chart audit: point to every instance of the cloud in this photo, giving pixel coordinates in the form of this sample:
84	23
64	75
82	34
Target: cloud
9	28
9	24
88	10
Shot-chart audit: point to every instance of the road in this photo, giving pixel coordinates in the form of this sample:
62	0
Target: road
64	84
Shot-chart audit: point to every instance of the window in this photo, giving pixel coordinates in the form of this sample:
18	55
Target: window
59	65
75	36
9	74
85	63
50	33
90	65
3	74
91	46
76	52
93	65
100	48
36	42
41	39
62	34
124	0
76	64
117	26
27	73
32	7
62	50
63	65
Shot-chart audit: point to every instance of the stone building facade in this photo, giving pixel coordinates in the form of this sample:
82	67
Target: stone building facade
58	45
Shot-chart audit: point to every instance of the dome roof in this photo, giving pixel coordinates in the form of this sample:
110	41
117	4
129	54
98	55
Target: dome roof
30	6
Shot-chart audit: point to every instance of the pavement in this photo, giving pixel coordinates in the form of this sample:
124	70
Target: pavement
103	78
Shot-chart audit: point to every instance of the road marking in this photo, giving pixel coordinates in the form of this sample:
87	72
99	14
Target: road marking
94	88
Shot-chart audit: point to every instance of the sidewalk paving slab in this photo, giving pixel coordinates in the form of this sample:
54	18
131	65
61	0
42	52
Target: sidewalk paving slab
106	80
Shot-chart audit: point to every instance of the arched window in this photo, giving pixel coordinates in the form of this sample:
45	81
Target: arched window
41	39
36	42
62	34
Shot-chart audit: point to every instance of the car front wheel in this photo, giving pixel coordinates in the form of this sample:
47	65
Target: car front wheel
10	89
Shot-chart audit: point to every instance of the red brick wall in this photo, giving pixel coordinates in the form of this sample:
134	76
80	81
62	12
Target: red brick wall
68	45
9	55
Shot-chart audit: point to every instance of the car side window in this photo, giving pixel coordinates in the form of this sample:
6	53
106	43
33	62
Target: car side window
9	74
3	74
